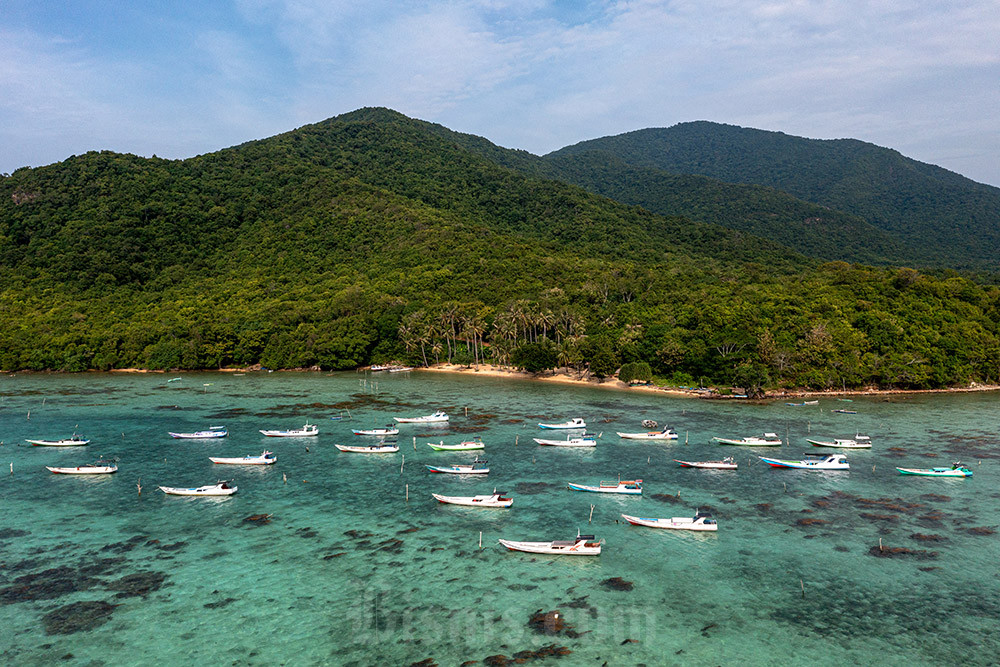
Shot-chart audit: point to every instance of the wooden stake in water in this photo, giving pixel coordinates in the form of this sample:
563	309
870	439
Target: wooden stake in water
138	485
515	439
880	544
803	587
407	493
480	539
591	514
415	443
467	414
284	478
686	433
29	415
401	464
11	467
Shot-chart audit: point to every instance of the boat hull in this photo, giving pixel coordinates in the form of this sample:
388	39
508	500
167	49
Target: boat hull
200	491
743	442
380	432
492	502
83	470
674	523
290	434
244	461
567	426
840	444
59	443
456	448
605	489
805	465
367	450
648	436
923	472
199	435
566	443
578	549
458	471
711	465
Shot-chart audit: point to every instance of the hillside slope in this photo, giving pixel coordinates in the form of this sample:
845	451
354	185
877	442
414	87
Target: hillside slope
954	221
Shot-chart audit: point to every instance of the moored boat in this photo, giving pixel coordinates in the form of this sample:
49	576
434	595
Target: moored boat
477	467
97	468
384	448
725	464
858	442
828	462
575	423
767	440
219	489
628	487
700	521
388	430
583	545
666	434
586	440
494	500
75	441
956	470
265	458
437	417
211	433
305	431
467	445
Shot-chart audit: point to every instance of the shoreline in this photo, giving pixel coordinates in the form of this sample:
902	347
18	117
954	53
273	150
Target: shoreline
564	376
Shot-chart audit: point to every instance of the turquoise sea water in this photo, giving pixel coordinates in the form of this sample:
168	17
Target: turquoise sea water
348	571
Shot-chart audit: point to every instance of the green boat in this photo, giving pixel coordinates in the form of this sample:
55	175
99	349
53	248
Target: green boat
956	470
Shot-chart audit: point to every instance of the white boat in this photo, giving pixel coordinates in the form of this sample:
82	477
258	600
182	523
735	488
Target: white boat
583	545
666	434
829	462
477	467
380	432
495	500
725	464
701	521
628	487
213	432
383	448
265	458
858	442
428	419
75	441
400	369
307	430
575	423
468	445
586	440
220	489
98	468
768	440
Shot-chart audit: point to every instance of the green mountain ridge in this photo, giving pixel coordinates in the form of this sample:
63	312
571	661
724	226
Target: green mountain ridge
372	236
950	220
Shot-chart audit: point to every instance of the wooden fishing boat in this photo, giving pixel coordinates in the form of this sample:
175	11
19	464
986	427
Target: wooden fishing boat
846	412
477	467
380	432
383	448
665	434
858	442
97	468
575	423
467	445
701	521
828	462
627	487
265	458
435	418
400	369
75	441
586	440
494	500
220	489
725	464
213	432
767	440
583	545
956	470
305	431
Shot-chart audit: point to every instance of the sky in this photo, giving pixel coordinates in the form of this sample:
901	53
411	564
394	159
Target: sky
176	78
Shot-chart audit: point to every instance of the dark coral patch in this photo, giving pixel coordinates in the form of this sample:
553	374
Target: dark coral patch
77	617
617	584
137	584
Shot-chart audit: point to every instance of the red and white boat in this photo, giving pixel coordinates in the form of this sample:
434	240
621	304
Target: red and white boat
495	500
583	545
701	521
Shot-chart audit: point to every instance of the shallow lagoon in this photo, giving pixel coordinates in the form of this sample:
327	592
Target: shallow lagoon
347	571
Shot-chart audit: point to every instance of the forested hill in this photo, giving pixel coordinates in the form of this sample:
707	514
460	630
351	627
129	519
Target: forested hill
372	237
950	220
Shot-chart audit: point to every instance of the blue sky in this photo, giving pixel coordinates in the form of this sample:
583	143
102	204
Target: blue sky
178	79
